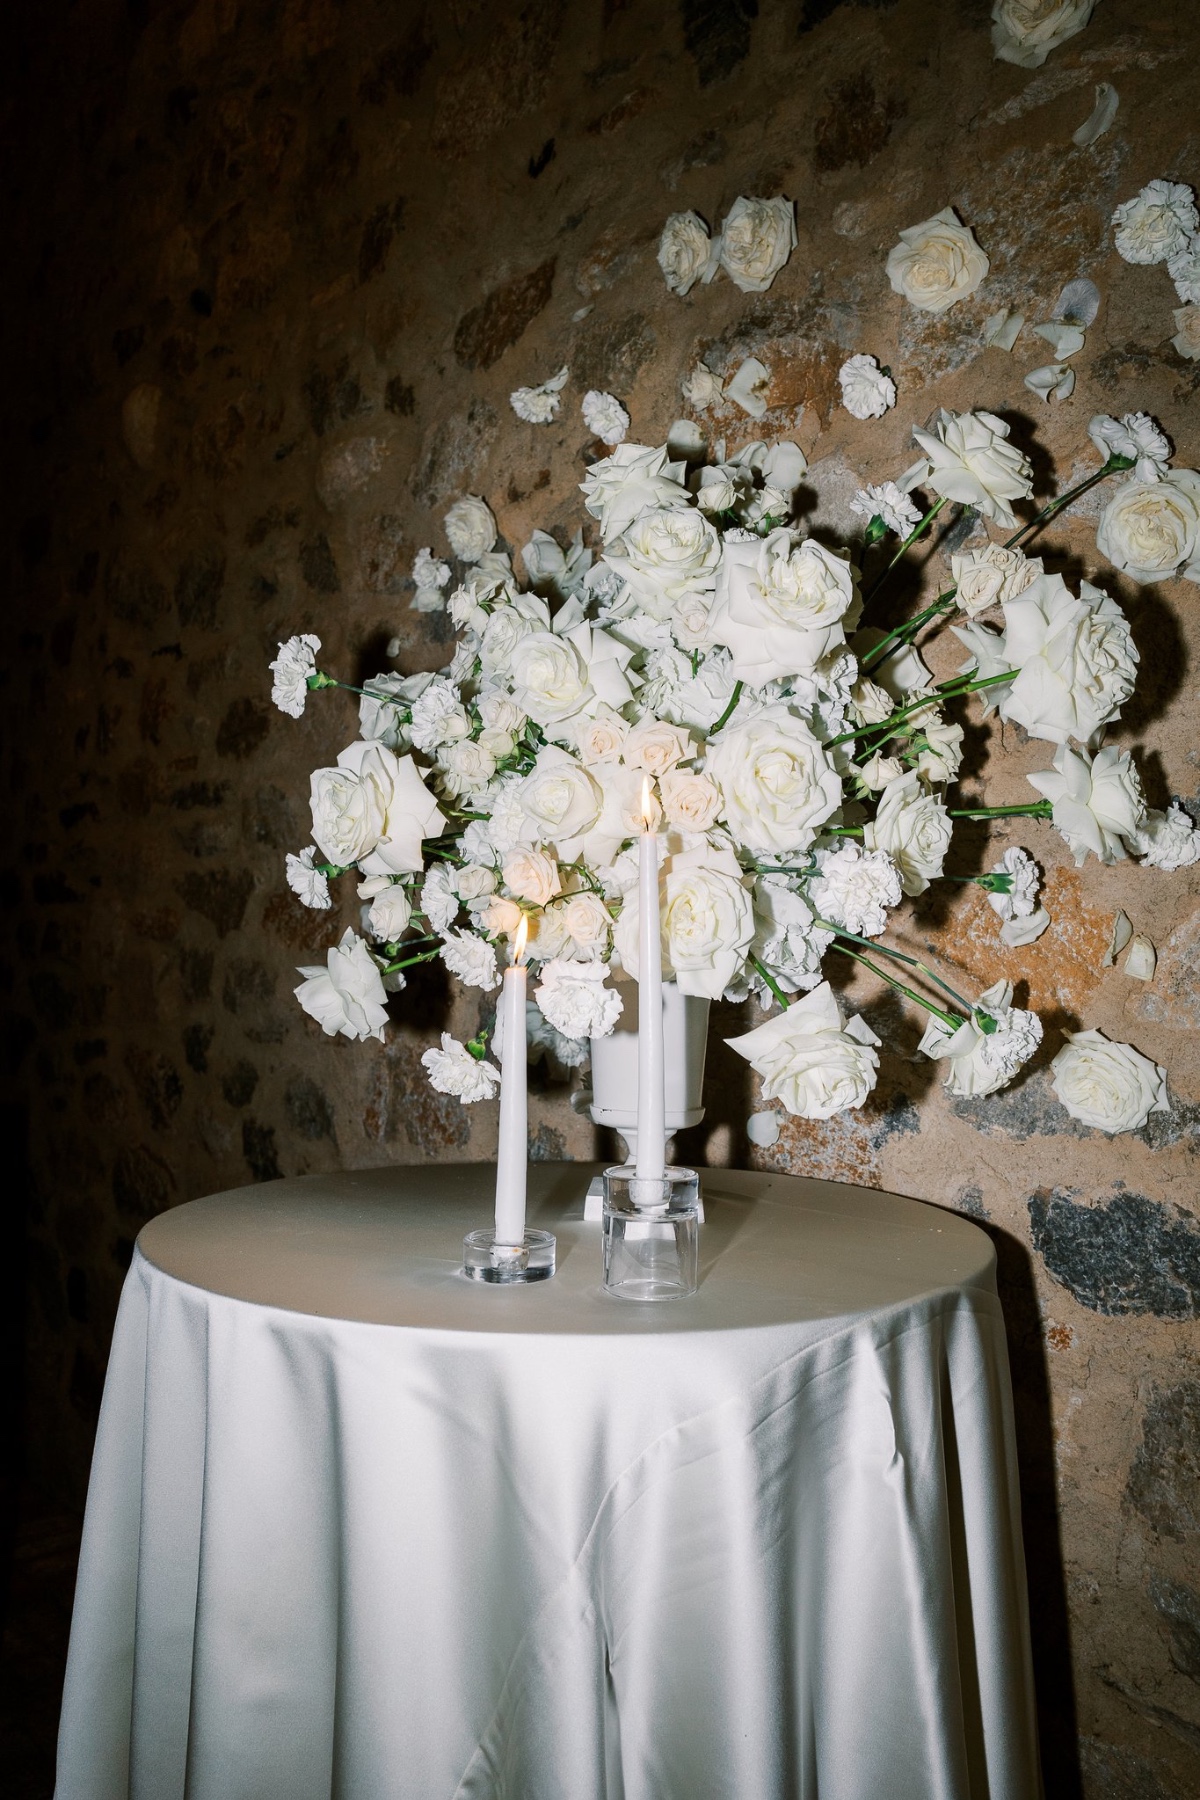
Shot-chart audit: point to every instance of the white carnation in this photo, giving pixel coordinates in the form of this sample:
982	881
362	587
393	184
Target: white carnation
1097	801
453	1070
1164	840
307	882
867	392
1156	224
427	571
1110	1086
1026	31
855	888
1184	269
471	958
346	996
889	503
983	1061
438	716
539	405
756	240
807	1058
439	898
683	251
470	528
787	939
1136	435
1187	332
971	461
937	262
1020	900
605	417
292	667
574	999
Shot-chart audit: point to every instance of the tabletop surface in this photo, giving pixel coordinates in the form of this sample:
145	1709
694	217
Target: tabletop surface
383	1246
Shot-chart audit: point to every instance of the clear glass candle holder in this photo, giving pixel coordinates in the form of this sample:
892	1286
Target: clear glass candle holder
651	1234
485	1258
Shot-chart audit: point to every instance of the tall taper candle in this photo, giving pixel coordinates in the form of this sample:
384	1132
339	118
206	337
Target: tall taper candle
651	1112
512	1152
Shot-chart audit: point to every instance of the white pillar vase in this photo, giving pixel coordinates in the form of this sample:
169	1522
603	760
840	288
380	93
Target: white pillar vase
615	1065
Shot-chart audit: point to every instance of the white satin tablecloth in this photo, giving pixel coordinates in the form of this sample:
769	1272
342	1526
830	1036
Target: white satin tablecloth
360	1528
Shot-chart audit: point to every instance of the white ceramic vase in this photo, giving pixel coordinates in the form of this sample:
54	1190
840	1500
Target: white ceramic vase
614	1094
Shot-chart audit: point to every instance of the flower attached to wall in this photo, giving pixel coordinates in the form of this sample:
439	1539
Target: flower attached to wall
684	251
605	417
867	390
539	405
1026	31
937	262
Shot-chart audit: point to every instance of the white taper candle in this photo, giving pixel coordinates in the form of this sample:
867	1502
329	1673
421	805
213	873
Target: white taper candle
651	1112
512	1151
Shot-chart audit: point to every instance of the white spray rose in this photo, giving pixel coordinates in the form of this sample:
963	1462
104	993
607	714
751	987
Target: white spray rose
690	802
939	750
778	786
991	574
601	737
778	607
683	251
1097	800
1077	661
1136	435
855	888
587	924
867	392
664	555
471	958
373	809
453	1070
308	884
1166	840
346	996
629	482
937	262
1156	224
757	238
532	875
913	827
1109	1086
657	747
889	503
1026	31
389	914
470	528
574	999
560	800
292	667
807	1058
1187	332
1150	530
539	405
605	417
971	461
982	1062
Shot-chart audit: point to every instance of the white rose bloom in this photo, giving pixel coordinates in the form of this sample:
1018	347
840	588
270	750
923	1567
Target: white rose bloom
500	917
913	827
1097	800
971	461
498	713
867	392
1077	661
292	667
389	914
937	262
1187	332
981	1062
880	771
373	809
471	958
939	751
506	628
307	883
630	481
1109	1086
427	571
346	996
889	503
573	997
756	240
683	251
549	678
470	528
539	405
855	888
723	488
453	1070
587	924
475	882
532	875
1136	435
807	1058
991	574
1164	840
438	716
1026	31
381	708
778	786
1150	530
779	608
1156	224
560	801
605	417
439	898
467	768
665	555
690	802
601	737
707	922
656	747
551	569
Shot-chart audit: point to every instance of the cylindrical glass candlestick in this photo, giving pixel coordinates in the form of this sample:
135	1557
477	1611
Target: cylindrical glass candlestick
651	1234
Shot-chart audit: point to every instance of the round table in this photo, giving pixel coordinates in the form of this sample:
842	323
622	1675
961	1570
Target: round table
359	1527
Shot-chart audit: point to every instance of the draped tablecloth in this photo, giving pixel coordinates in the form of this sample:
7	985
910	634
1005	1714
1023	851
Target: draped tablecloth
358	1527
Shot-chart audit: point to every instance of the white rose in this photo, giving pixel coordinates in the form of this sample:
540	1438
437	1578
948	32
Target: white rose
683	251
547	934
453	1070
1150	530
991	574
500	917
346	996
1135	435
308	884
389	914
867	392
664	555
506	628
811	1061
532	875
1077	661
471	958
880	771
690	802
1167	841
601	737
1097	800
756	240
629	482
381	708
560	800
1026	31
474	882
539	405
373	809
723	488
574	999
292	667
777	784
913	827
937	262
587	923
470	528
971	461
779	609
656	747
1112	1087
707	922
605	417
981	1061
1156	224
855	888
467	768
939	750
549	678
1187	332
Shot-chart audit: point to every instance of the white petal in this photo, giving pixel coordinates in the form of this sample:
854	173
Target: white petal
1078	303
1052	381
1142	959
742	389
1100	117
1122	931
1063	339
1003	329
1016	932
763	1128
685	440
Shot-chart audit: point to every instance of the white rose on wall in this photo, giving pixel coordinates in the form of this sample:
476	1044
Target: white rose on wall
971	461
937	262
1026	31
757	238
601	737
779	608
373	809
807	1058
346	996
913	827
867	392
1097	800
990	574
983	1061
470	528
1110	1086
1150	530
690	802
574	999
777	784
664	555
560	801
1156	224
657	747
532	875
1187	332
683	251
587	924
1077	661
389	914
549	678
629	482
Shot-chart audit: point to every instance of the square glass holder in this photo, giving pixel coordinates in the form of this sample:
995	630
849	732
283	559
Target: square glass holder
651	1234
487	1259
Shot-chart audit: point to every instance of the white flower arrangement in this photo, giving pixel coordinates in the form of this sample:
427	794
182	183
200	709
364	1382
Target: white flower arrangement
801	761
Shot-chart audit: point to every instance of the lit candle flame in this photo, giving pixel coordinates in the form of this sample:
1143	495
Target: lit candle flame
647	804
521	939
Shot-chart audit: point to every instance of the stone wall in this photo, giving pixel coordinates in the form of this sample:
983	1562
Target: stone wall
274	269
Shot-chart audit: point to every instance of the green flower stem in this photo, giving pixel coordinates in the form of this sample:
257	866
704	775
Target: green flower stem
1036	809
729	710
918	529
393	968
946	690
330	870
771	983
1113	466
914	962
992	884
944	603
950	1020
